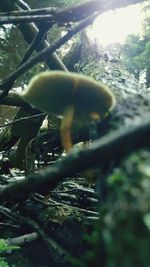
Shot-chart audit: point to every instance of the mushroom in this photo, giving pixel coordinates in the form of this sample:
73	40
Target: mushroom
69	95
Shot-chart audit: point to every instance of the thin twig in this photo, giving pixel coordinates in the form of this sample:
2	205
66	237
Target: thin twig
36	41
23	119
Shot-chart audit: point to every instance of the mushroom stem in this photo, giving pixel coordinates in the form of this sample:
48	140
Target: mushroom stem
65	128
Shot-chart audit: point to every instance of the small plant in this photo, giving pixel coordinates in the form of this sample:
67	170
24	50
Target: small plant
4	247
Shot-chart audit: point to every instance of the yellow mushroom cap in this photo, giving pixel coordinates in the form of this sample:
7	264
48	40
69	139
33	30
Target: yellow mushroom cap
54	91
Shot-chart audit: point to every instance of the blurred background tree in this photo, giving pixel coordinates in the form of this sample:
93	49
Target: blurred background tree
136	50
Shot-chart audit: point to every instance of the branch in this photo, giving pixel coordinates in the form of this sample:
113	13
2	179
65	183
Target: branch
37	11
109	148
14	99
22	240
23	119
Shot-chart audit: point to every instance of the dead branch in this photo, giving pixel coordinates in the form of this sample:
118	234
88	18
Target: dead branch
22	240
14	99
23	119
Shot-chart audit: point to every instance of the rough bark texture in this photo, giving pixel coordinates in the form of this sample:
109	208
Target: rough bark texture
133	99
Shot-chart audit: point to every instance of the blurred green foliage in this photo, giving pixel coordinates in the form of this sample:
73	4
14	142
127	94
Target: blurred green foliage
136	50
122	235
3	263
3	248
11	49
